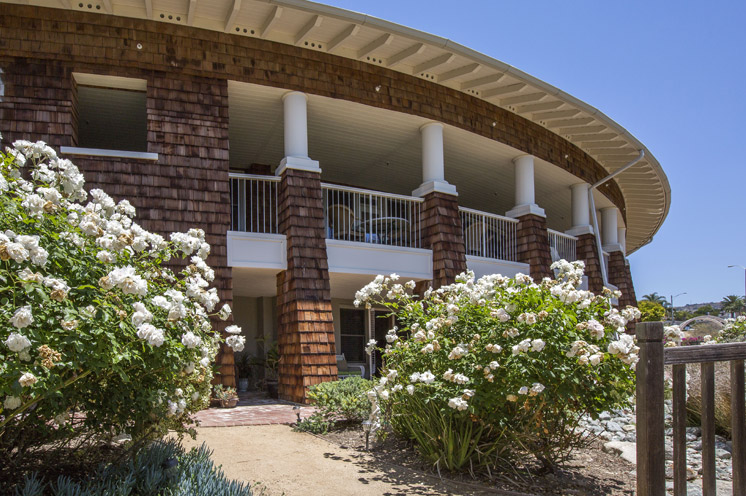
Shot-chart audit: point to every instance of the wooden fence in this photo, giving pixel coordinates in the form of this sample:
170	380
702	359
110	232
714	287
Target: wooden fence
651	459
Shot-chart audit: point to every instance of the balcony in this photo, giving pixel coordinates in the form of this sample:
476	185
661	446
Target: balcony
367	232
490	243
562	246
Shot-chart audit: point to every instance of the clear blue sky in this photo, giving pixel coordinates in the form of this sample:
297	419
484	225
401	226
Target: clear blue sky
672	73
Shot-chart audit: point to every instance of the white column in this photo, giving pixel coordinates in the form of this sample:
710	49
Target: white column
296	134
622	238
609	232
525	201
433	162
581	216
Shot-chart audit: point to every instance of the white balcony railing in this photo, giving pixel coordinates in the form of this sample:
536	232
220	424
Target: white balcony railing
489	235
562	246
361	215
254	203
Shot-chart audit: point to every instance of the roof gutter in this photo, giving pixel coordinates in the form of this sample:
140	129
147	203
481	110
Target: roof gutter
599	246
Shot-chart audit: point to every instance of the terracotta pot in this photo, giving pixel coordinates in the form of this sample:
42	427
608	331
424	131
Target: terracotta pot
229	403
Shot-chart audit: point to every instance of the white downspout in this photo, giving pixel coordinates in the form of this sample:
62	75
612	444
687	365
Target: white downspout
599	246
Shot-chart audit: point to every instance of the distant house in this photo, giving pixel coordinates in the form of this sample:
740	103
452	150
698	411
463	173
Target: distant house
318	147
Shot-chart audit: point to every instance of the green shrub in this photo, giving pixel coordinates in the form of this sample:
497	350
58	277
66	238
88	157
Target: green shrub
163	468
488	372
342	401
100	334
651	311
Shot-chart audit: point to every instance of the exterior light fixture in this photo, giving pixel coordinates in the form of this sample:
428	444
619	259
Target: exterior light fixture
367	427
139	46
494	123
378	87
296	409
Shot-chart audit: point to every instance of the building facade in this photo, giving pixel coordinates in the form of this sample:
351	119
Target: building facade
319	147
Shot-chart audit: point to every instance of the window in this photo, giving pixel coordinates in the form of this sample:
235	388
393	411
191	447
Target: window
352	334
109	112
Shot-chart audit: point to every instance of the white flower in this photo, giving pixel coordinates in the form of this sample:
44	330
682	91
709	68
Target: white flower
233	329
106	256
224	312
427	377
151	334
414	377
410	389
536	388
458	404
17	342
141	315
428	348
537	344
624	345
22	317
458	352
595	359
236	342
494	365
596	329
189	368
11	402
392	375
501	314
161	302
494	348
205	362
370	347
27	379
126	279
528	318
523	390
523	346
190	340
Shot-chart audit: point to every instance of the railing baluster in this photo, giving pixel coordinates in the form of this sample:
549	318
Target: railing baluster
708	429
679	430
738	426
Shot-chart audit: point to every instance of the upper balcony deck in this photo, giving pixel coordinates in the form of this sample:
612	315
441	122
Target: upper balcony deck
370	232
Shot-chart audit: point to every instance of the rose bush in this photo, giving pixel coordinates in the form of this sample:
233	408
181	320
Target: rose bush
481	373
734	331
99	334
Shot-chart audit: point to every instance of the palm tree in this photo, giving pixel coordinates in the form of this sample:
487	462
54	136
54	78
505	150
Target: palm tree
733	304
656	298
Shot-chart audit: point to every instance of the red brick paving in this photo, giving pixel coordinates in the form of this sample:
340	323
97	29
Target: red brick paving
252	409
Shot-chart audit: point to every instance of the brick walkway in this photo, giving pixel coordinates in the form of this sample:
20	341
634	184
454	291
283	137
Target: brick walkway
252	409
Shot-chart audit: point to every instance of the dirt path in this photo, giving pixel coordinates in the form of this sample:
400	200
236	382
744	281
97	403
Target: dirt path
297	464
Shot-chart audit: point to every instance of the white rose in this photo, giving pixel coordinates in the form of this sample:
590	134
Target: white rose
22	317
236	342
17	342
11	402
233	329
190	340
27	379
224	312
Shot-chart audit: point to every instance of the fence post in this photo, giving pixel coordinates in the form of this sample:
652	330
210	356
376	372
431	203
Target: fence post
651	459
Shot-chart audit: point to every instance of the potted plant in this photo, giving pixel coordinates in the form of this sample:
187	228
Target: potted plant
271	363
244	363
227	396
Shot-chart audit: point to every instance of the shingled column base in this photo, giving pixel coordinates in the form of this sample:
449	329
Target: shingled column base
442	233
305	323
532	244
587	251
619	276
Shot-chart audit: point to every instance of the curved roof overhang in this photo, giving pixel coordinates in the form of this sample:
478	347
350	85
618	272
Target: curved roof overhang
315	26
